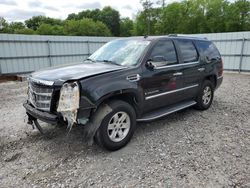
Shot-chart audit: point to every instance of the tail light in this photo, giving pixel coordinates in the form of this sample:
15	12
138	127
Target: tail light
220	72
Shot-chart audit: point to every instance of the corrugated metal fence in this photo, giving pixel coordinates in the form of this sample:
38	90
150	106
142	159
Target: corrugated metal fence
26	53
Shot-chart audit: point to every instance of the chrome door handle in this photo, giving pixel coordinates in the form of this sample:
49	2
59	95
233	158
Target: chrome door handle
134	77
178	74
201	69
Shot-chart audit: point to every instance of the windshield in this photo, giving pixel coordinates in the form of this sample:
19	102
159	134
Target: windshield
120	52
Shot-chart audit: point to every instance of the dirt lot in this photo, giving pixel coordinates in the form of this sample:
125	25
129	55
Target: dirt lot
186	149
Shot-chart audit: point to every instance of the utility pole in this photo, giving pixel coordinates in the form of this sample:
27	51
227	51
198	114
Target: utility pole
147	5
163	3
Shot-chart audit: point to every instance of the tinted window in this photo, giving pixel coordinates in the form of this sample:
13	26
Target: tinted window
166	50
188	51
208	49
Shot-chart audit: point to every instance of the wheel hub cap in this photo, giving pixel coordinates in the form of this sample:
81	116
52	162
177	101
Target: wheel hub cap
207	95
118	126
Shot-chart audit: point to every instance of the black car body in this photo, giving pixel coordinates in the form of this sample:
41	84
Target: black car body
168	75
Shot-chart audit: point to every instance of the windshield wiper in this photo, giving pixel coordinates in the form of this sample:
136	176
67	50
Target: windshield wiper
109	61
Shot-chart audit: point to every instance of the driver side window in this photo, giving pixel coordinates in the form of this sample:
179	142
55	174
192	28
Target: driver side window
164	53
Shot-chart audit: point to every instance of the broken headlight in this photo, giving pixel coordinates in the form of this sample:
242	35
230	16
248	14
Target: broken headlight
69	102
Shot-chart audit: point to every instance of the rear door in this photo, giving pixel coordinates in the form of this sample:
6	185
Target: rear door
162	83
191	67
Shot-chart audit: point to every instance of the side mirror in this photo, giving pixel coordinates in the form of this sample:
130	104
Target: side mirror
156	61
150	65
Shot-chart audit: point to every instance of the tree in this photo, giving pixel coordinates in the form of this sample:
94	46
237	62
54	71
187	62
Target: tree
4	26
107	15
86	27
171	19
25	31
238	16
47	29
156	18
147	7
126	27
111	18
14	26
215	16
36	21
142	24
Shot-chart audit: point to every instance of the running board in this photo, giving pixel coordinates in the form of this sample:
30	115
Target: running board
166	111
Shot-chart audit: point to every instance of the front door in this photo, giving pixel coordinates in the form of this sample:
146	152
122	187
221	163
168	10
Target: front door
161	83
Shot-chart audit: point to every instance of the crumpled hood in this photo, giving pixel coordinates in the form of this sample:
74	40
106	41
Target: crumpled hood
75	71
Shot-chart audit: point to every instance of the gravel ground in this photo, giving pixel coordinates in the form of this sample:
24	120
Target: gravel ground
186	149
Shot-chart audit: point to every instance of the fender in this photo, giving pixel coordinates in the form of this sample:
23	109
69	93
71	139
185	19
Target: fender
97	89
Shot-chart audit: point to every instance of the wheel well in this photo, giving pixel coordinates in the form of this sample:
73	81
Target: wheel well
212	78
127	97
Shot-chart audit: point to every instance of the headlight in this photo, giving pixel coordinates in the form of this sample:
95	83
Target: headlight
69	97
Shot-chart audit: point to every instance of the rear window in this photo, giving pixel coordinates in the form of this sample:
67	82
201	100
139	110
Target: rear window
188	51
208	49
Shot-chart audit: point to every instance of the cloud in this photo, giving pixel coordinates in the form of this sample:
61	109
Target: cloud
50	8
19	14
7	2
128	7
39	4
35	4
93	5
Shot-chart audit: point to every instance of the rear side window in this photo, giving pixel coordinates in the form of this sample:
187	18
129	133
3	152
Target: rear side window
188	51
208	49
165	49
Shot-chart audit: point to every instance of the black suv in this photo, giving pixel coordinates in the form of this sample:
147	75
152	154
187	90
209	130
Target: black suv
125	81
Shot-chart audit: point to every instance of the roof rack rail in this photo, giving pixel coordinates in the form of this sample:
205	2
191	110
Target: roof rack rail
189	36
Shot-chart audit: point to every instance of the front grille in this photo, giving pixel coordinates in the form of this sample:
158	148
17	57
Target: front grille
40	96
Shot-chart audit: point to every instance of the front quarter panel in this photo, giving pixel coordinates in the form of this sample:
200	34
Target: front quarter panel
98	88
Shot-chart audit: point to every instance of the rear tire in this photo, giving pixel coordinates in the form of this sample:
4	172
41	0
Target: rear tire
205	96
117	127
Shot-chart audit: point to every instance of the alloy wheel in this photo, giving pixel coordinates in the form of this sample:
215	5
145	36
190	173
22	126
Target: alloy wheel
119	126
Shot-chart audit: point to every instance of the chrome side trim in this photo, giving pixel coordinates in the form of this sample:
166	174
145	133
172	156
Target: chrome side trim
173	91
182	64
219	77
167	113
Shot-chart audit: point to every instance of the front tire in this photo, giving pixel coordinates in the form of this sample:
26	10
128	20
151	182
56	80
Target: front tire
117	127
205	96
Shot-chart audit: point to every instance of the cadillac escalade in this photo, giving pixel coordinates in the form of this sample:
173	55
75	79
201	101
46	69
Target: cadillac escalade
127	80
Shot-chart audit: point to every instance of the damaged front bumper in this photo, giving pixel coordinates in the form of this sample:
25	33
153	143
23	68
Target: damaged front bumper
33	114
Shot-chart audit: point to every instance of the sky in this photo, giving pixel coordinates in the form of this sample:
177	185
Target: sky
20	10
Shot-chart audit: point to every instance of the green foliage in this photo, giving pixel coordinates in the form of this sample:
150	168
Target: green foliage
238	16
86	27
146	20
156	18
47	29
126	27
194	16
36	21
4	26
25	31
107	15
